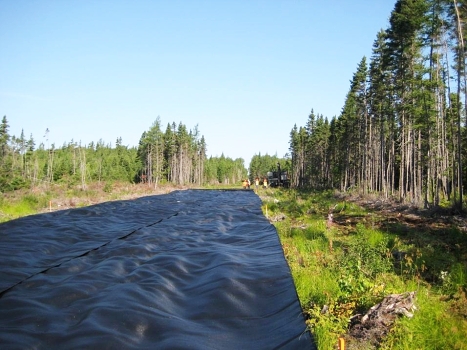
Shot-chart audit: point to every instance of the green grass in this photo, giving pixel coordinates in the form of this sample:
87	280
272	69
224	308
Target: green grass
436	325
349	268
25	205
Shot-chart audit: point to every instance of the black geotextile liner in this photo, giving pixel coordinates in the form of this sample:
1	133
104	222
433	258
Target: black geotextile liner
188	270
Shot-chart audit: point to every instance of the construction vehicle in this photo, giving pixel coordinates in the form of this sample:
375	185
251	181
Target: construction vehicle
278	178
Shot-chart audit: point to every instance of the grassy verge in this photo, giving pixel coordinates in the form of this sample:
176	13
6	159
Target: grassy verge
344	267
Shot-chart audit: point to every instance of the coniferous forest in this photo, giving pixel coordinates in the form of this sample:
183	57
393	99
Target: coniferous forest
176	155
401	132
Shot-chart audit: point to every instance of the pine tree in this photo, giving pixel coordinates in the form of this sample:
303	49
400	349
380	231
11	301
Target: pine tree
406	23
4	138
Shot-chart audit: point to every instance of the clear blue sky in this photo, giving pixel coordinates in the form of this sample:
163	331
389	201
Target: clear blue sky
244	71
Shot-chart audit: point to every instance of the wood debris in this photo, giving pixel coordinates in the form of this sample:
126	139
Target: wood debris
374	325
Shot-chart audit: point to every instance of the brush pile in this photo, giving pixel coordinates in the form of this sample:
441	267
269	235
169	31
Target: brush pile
375	324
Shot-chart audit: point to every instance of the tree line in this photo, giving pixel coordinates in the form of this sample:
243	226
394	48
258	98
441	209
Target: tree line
176	155
260	165
401	132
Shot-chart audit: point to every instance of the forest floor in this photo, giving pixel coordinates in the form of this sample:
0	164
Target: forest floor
371	254
414	226
410	217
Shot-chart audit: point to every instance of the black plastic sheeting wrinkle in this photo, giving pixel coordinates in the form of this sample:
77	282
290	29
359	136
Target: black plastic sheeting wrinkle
191	269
